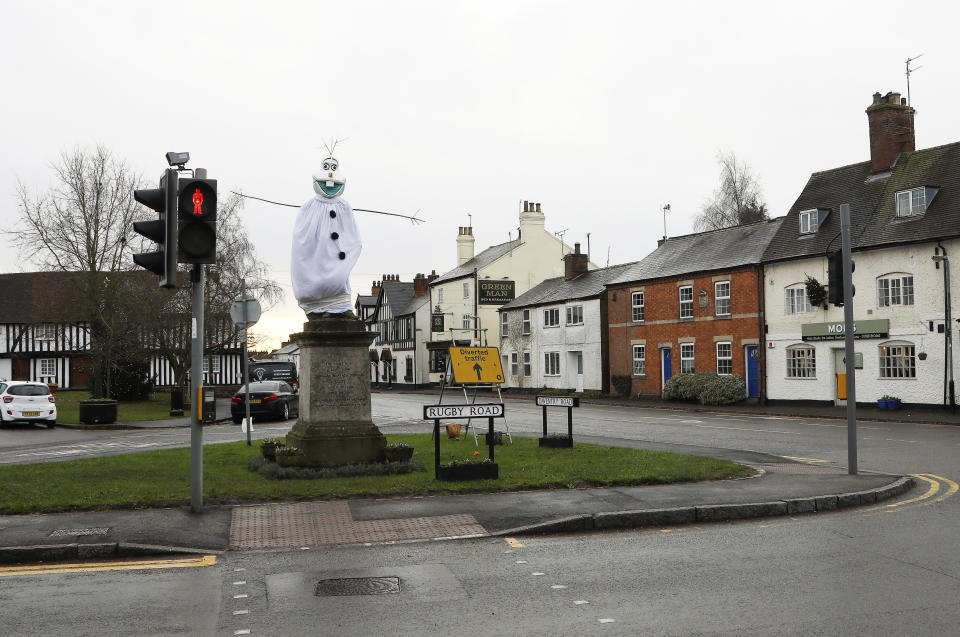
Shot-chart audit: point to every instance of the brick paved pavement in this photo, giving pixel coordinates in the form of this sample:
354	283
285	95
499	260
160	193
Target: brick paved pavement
330	523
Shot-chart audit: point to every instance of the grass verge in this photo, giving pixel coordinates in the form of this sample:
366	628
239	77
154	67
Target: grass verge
157	407
162	478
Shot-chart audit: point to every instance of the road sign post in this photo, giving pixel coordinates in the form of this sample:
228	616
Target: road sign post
436	413
558	401
245	312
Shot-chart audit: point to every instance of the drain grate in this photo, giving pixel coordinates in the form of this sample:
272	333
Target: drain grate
100	530
357	586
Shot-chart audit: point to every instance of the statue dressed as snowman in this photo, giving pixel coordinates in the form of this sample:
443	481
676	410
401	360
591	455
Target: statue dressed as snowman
326	246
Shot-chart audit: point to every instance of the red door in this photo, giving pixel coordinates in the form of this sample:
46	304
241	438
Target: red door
79	373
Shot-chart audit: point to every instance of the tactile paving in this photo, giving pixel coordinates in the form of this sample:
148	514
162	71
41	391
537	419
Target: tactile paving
330	523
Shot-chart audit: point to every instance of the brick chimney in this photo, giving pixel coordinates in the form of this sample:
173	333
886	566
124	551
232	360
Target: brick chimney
575	263
375	289
464	244
433	275
891	130
419	285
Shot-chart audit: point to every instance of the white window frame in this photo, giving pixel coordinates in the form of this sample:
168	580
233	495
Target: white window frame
686	305
466	290
639	360
206	364
527	365
911	202
809	221
47	367
574	315
721	301
726	357
514	364
504	324
791	302
551	363
466	322
551	317
46	331
439	295
897	360
687	358
636	303
801	361
895	289
525	323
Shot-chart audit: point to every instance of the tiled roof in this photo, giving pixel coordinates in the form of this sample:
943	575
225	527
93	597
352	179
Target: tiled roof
556	290
366	301
704	252
481	260
873	216
398	294
416	303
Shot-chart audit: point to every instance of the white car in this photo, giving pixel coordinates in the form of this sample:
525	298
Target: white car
25	401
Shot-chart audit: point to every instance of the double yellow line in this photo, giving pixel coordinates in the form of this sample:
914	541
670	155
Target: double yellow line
93	567
935	482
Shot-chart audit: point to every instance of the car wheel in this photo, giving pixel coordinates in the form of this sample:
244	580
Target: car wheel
51	424
237	420
285	414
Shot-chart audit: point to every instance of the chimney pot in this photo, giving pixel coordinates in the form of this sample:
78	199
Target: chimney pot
576	248
538	207
526	207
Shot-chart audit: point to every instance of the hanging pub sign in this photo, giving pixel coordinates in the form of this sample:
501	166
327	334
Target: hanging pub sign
436	322
490	292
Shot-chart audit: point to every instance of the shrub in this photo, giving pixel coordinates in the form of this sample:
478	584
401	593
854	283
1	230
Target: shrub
706	387
131	375
724	390
622	384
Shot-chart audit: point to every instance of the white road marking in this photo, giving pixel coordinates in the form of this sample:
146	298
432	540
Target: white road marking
521	561
240	612
581	602
537	574
765	431
240	583
241	596
558	587
606	621
245	631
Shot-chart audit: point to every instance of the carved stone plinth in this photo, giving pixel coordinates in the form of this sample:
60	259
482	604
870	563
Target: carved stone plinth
334	427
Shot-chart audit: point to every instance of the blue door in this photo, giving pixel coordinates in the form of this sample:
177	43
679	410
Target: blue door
753	371
666	366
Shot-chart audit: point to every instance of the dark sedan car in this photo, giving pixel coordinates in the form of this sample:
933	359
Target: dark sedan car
269	399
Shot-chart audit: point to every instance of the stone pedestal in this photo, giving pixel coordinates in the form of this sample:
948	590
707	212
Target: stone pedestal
334	427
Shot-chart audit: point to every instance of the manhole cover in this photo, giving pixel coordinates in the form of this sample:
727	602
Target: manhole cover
101	530
358	586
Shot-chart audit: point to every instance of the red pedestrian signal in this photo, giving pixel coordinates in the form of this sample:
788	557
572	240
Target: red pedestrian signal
197	221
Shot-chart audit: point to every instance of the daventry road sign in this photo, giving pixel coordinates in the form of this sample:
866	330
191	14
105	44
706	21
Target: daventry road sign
485	410
558	401
476	365
253	311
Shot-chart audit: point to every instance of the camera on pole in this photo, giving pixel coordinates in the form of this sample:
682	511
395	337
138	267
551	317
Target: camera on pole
162	231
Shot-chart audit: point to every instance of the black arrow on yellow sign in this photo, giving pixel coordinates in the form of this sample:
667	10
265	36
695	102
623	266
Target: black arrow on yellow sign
477	368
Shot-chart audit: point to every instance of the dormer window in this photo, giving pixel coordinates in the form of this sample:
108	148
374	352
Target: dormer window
811	220
911	202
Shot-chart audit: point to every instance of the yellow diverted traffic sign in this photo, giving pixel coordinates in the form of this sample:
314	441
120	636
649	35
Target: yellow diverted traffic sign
476	365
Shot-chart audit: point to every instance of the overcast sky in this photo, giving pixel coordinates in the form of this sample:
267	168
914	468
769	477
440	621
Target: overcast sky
602	111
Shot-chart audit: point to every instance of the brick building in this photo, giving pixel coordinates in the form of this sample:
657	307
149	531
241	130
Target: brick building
695	304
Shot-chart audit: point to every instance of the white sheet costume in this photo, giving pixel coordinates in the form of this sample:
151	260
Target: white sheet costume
326	246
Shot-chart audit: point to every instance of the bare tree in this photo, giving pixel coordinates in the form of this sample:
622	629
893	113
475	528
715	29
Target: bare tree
519	341
737	200
84	223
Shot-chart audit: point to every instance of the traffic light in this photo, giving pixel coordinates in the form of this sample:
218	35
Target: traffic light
835	277
197	221
162	231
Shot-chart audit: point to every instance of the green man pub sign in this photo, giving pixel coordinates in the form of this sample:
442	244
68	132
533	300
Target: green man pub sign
436	322
490	292
875	328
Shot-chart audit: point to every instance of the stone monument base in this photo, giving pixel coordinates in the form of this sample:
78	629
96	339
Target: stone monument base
334	427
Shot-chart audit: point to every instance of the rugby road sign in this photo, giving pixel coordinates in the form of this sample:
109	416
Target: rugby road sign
484	410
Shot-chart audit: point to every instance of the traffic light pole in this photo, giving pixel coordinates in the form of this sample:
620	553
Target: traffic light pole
196	380
849	357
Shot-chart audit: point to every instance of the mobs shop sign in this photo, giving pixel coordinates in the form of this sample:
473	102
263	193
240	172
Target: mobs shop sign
875	328
491	292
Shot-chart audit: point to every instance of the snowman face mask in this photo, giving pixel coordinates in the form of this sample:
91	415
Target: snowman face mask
327	182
